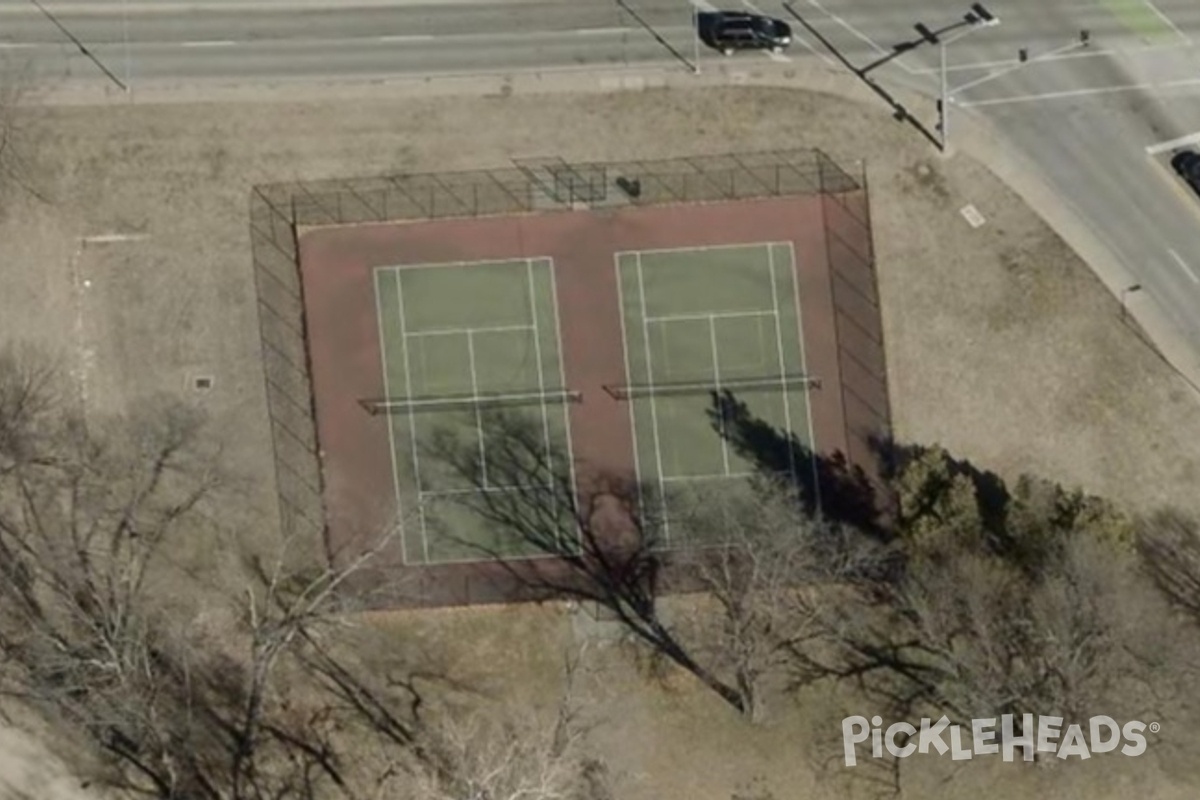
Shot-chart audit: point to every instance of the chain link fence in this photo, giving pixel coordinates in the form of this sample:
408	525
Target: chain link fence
278	210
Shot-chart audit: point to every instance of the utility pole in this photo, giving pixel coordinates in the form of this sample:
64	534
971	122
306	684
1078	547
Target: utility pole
125	36
978	17
695	39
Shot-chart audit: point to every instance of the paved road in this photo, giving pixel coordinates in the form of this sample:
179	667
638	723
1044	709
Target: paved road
1085	116
140	41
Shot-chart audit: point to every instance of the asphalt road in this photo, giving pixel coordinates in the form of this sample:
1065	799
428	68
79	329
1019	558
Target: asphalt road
167	40
1085	116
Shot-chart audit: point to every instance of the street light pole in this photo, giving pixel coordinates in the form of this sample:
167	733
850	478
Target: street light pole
977	17
944	103
125	32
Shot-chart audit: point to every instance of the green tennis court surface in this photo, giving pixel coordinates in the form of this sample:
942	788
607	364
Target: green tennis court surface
463	331
717	319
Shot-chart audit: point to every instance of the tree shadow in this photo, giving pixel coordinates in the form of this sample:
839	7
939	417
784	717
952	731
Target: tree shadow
831	484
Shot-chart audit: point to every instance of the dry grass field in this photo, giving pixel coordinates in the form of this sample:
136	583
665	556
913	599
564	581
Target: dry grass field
1001	346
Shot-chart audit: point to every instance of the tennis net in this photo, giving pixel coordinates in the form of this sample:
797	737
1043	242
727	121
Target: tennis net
736	385
459	402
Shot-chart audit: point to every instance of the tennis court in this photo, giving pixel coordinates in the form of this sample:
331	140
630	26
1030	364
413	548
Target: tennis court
455	339
704	328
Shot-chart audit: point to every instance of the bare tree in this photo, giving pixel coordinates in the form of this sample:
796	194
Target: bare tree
770	568
97	632
511	754
18	136
1048	612
750	547
1169	542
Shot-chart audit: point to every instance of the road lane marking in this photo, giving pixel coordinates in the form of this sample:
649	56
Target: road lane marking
1182	141
210	43
424	37
595	31
1130	87
1169	22
880	49
1183	265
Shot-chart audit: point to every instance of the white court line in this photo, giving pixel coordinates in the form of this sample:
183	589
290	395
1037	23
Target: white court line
387	392
478	410
1131	87
211	43
703	248
445	264
712	335
412	414
1183	265
714	315
464	331
537	354
699	478
662	489
516	487
1169	22
812	437
787	401
562	377
637	460
1182	141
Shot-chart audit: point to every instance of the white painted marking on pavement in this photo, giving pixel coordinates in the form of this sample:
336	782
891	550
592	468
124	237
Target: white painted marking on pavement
1183	265
1168	21
880	49
425	37
1182	141
212	43
704	6
109	238
1131	87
